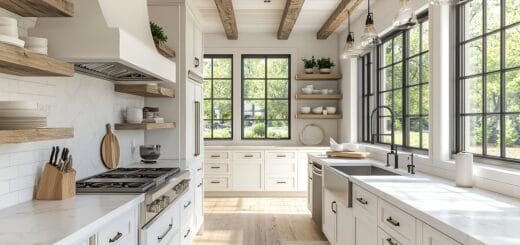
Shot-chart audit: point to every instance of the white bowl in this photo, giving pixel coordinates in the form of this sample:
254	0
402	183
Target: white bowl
310	86
324	91
331	110
35	42
307	90
8	21
38	50
331	91
305	110
11	31
350	147
316	91
11	40
317	110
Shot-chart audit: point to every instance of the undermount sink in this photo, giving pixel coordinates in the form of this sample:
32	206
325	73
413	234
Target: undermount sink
363	170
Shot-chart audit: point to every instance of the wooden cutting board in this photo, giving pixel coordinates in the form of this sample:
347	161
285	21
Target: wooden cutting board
110	149
348	154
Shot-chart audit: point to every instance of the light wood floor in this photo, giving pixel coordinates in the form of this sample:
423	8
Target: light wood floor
258	221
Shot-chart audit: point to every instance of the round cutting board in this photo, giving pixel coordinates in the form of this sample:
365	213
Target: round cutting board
312	134
110	149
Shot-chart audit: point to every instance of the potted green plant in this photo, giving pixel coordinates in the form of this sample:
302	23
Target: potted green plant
158	33
324	64
309	65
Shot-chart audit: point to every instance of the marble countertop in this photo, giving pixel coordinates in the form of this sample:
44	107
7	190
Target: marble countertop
264	147
62	222
469	215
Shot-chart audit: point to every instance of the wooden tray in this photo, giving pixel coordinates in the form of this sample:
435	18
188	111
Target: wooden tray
348	154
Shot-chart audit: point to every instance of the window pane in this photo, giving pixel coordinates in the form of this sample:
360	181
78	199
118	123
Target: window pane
473	57
222	89
222	129
277	68
253	129
254	89
512	51
254	67
512	14
425	36
386	75
398	48
493	52
415	132
399	131
222	68
473	134
387	53
277	109
425	65
254	109
425	133
222	109
493	14
473	95
425	99
513	91
413	101
415	40
472	19
398	102
513	136
277	129
386	99
278	89
493	93
207	88
493	135
398	75
207	129
207	109
413	70
207	68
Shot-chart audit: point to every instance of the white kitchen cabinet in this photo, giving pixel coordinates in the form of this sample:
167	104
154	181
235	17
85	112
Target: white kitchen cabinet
163	230
194	121
365	229
330	207
344	225
337	220
432	236
199	204
248	175
121	230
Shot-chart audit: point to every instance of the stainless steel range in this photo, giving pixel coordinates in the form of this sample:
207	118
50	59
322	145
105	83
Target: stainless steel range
162	186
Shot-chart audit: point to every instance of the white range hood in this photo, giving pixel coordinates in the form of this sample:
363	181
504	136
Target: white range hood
109	39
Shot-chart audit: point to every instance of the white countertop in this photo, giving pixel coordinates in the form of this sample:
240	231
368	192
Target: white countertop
469	215
62	222
264	147
162	163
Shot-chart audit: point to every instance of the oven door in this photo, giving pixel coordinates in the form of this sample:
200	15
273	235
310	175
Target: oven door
164	229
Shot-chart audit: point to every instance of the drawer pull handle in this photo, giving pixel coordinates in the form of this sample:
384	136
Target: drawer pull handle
281	155
215	155
281	182
199	169
199	185
170	227
362	201
215	167
333	206
187	233
392	221
215	182
187	204
115	238
389	241
248	155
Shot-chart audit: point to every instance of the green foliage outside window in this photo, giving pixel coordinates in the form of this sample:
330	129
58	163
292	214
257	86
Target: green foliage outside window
218	94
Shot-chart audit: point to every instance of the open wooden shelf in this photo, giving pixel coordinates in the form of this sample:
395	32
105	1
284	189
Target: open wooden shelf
39	8
144	126
22	62
318	116
318	77
319	96
146	90
15	136
164	50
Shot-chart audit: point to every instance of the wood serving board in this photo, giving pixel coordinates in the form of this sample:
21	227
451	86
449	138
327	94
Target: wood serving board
110	149
348	154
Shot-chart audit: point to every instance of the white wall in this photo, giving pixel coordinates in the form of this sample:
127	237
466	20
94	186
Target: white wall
299	46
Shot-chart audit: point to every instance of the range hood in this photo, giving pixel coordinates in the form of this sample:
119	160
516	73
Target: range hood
110	39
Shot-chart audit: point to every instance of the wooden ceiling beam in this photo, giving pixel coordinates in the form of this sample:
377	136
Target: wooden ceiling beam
289	17
337	17
227	16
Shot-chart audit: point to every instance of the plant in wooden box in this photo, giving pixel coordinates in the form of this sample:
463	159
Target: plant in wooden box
324	64
158	33
309	65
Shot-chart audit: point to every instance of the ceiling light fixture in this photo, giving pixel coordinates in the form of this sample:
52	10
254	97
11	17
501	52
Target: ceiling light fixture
370	37
405	18
348	50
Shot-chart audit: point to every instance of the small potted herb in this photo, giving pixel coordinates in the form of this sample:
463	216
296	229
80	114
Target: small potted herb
324	64
309	65
158	33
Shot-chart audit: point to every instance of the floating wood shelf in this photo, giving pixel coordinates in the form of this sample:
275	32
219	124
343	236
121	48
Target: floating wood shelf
146	90
39	8
15	136
319	96
164	49
318	116
22	62
144	126
318	77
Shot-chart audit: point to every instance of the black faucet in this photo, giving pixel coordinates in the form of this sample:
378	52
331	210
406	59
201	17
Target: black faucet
411	166
393	146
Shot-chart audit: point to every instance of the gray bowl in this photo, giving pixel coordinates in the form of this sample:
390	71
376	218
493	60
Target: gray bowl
150	153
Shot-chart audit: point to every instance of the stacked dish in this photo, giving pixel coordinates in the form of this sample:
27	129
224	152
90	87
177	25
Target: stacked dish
9	32
36	44
21	115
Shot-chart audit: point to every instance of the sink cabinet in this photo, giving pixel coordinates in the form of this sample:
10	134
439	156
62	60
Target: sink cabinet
336	219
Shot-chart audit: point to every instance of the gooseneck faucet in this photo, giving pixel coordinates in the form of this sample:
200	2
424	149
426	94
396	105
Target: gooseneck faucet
393	146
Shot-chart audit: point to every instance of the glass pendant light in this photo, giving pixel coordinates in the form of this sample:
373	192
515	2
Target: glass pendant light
370	37
442	2
348	50
405	18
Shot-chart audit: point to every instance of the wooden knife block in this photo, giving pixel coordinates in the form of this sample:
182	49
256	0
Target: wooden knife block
56	185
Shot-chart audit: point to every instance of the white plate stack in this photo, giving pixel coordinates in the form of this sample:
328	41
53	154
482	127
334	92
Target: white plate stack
9	31
36	44
21	115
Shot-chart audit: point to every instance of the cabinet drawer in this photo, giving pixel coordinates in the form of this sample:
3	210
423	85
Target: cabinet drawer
280	167
216	183
391	218
217	167
122	230
384	238
187	232
280	184
280	155
164	229
216	155
247	155
187	204
364	201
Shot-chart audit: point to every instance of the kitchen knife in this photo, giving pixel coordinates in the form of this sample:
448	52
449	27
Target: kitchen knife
63	154
55	162
52	155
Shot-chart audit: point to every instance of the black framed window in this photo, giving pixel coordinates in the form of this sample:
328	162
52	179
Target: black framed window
403	77
218	96
488	78
266	103
366	95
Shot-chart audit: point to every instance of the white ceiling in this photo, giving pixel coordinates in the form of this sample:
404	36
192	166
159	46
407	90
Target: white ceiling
256	16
